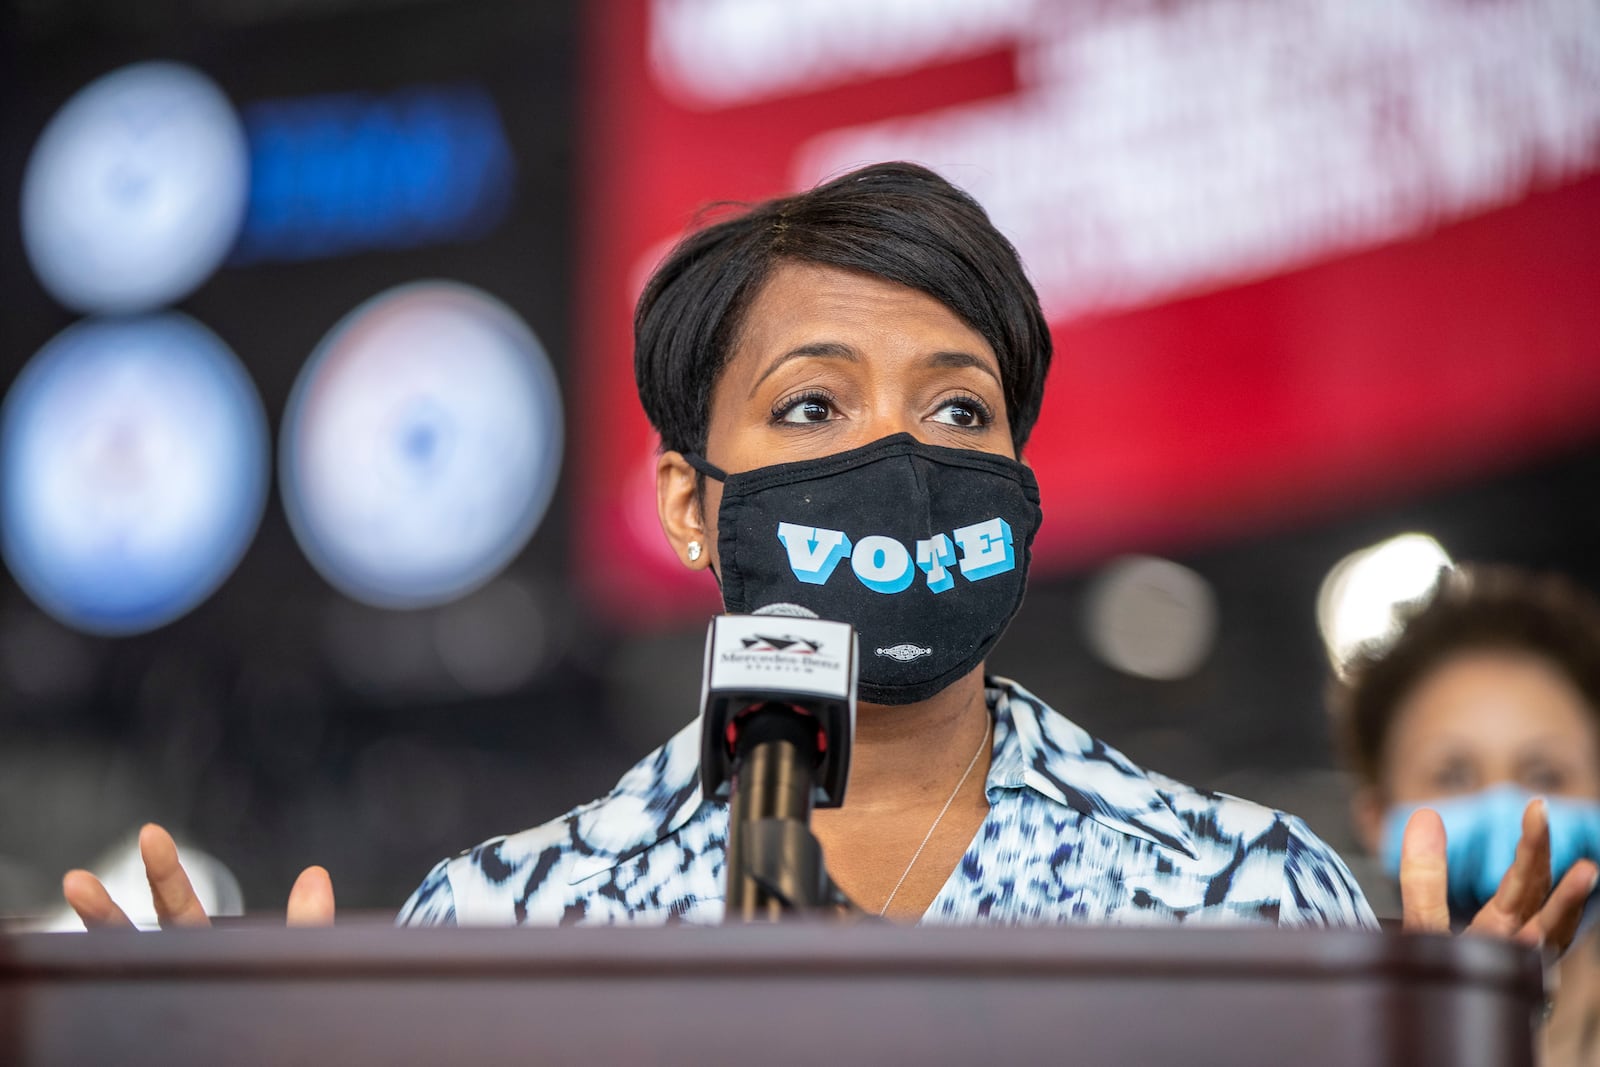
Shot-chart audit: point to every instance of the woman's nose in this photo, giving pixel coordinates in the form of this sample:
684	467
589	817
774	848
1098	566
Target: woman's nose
889	421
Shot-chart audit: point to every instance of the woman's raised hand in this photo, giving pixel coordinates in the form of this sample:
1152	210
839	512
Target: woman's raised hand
1523	908
310	901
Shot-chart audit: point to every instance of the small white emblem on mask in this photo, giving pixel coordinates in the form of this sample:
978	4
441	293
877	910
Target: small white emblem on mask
905	653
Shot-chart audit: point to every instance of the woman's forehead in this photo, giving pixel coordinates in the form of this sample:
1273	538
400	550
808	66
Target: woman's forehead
804	303
1494	699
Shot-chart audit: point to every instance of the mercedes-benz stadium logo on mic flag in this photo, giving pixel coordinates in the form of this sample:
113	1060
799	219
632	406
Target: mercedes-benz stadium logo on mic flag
764	643
133	471
421	445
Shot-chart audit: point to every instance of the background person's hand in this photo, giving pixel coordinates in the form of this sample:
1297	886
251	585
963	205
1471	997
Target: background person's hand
310	901
1523	907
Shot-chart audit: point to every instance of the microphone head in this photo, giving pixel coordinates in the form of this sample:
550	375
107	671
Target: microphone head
809	664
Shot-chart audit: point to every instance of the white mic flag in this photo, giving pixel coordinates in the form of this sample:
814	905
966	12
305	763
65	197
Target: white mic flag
808	664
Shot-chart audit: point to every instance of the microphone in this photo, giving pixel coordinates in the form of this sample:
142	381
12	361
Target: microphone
777	707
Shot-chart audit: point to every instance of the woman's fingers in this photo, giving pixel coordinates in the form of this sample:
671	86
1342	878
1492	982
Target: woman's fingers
92	903
1523	907
1526	886
311	899
175	899
1424	878
1557	922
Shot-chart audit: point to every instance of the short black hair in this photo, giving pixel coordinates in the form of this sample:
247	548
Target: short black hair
898	221
1474	607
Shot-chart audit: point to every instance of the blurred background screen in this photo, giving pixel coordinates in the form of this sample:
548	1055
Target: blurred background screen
327	503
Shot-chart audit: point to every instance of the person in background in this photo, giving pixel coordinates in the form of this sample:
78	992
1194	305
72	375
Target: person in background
1487	698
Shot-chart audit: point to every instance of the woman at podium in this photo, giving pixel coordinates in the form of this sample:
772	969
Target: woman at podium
844	381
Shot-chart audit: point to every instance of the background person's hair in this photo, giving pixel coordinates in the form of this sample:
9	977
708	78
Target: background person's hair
898	221
1474	607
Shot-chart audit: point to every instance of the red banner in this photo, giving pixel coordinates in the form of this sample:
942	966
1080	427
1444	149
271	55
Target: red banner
1293	260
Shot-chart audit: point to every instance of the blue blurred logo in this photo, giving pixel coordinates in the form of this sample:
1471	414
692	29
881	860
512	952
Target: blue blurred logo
135	190
421	445
133	471
337	174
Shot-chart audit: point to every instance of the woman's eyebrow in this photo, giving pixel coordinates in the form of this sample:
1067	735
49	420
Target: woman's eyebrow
962	359
840	350
1543	745
824	349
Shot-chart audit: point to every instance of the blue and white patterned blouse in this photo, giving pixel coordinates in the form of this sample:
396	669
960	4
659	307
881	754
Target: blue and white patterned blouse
1075	833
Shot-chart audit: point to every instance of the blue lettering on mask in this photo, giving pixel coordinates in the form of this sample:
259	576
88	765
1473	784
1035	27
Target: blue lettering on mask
813	552
884	565
985	549
936	556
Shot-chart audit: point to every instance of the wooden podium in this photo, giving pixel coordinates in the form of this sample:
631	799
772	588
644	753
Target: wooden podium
790	994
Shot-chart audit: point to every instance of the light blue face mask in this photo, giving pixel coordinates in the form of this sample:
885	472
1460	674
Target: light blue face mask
1481	833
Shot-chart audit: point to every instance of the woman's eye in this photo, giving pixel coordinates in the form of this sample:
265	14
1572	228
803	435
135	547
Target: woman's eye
965	412
1455	777
1543	778
806	409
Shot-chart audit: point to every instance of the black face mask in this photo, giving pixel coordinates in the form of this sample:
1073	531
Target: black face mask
923	549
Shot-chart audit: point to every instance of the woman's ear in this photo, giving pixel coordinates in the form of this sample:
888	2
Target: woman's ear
1366	816
678	506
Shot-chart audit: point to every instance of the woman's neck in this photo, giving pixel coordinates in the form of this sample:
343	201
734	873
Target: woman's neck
907	755
914	802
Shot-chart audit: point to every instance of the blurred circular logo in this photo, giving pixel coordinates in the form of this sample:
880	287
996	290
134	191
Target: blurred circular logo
133	471
136	189
421	445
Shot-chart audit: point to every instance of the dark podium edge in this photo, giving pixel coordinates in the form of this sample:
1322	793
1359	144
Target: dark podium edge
371	953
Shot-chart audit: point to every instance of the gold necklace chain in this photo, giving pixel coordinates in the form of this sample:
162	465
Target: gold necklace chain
982	744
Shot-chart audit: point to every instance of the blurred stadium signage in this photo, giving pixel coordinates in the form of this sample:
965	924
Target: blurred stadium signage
354	172
1295	255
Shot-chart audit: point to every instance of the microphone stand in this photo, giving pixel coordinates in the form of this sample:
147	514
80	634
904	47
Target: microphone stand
777	722
775	865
